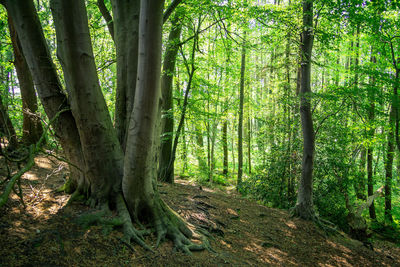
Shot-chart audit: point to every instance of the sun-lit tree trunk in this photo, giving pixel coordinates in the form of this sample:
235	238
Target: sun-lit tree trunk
31	128
240	122
166	168
304	206
44	74
126	36
140	169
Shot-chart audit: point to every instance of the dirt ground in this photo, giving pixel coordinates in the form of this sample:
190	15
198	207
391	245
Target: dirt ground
243	233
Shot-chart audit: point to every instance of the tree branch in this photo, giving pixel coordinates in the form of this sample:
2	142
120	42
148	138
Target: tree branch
170	9
107	16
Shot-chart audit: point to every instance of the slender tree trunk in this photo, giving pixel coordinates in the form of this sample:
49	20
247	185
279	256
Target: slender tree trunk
44	74
389	166
240	122
371	132
104	161
166	168
31	128
126	30
107	17
360	183
225	146
304	206
390	152
249	133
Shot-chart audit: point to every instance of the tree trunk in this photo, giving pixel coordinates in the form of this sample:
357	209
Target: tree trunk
225	146
166	168
304	206
371	132
37	55
31	128
140	170
107	17
7	127
100	146
240	123
126	30
360	183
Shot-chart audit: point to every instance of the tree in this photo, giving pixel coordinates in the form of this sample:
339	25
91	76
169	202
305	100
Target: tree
166	169
304	206
32	128
240	123
128	182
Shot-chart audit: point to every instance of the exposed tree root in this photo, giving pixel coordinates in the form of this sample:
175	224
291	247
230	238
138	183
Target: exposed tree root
166	224
130	233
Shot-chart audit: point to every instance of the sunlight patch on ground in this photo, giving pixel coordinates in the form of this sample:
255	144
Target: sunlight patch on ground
43	163
291	225
30	176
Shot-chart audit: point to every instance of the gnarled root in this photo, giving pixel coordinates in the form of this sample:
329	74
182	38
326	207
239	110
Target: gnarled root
130	232
169	224
166	223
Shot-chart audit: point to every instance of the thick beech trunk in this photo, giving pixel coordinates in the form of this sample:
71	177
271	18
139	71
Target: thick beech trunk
126	36
37	55
304	206
100	146
166	168
31	128
140	169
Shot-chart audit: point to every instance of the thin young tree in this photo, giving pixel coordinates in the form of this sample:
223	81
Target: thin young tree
304	206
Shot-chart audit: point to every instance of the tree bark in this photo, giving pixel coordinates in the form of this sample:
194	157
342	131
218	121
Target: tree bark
371	132
240	122
7	127
31	128
304	207
126	28
37	55
107	17
140	169
100	146
166	168
225	146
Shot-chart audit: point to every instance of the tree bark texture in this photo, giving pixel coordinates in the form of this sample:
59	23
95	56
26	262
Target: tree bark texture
304	206
140	167
31	128
100	146
126	27
166	168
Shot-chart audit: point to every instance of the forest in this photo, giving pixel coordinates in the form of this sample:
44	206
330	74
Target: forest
146	120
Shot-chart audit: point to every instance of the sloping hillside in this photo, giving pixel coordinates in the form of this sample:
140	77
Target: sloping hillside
243	233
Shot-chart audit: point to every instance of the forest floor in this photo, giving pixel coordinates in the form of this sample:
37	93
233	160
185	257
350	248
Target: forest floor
46	232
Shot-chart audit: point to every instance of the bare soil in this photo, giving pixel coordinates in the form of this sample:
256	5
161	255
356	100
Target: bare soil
46	232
